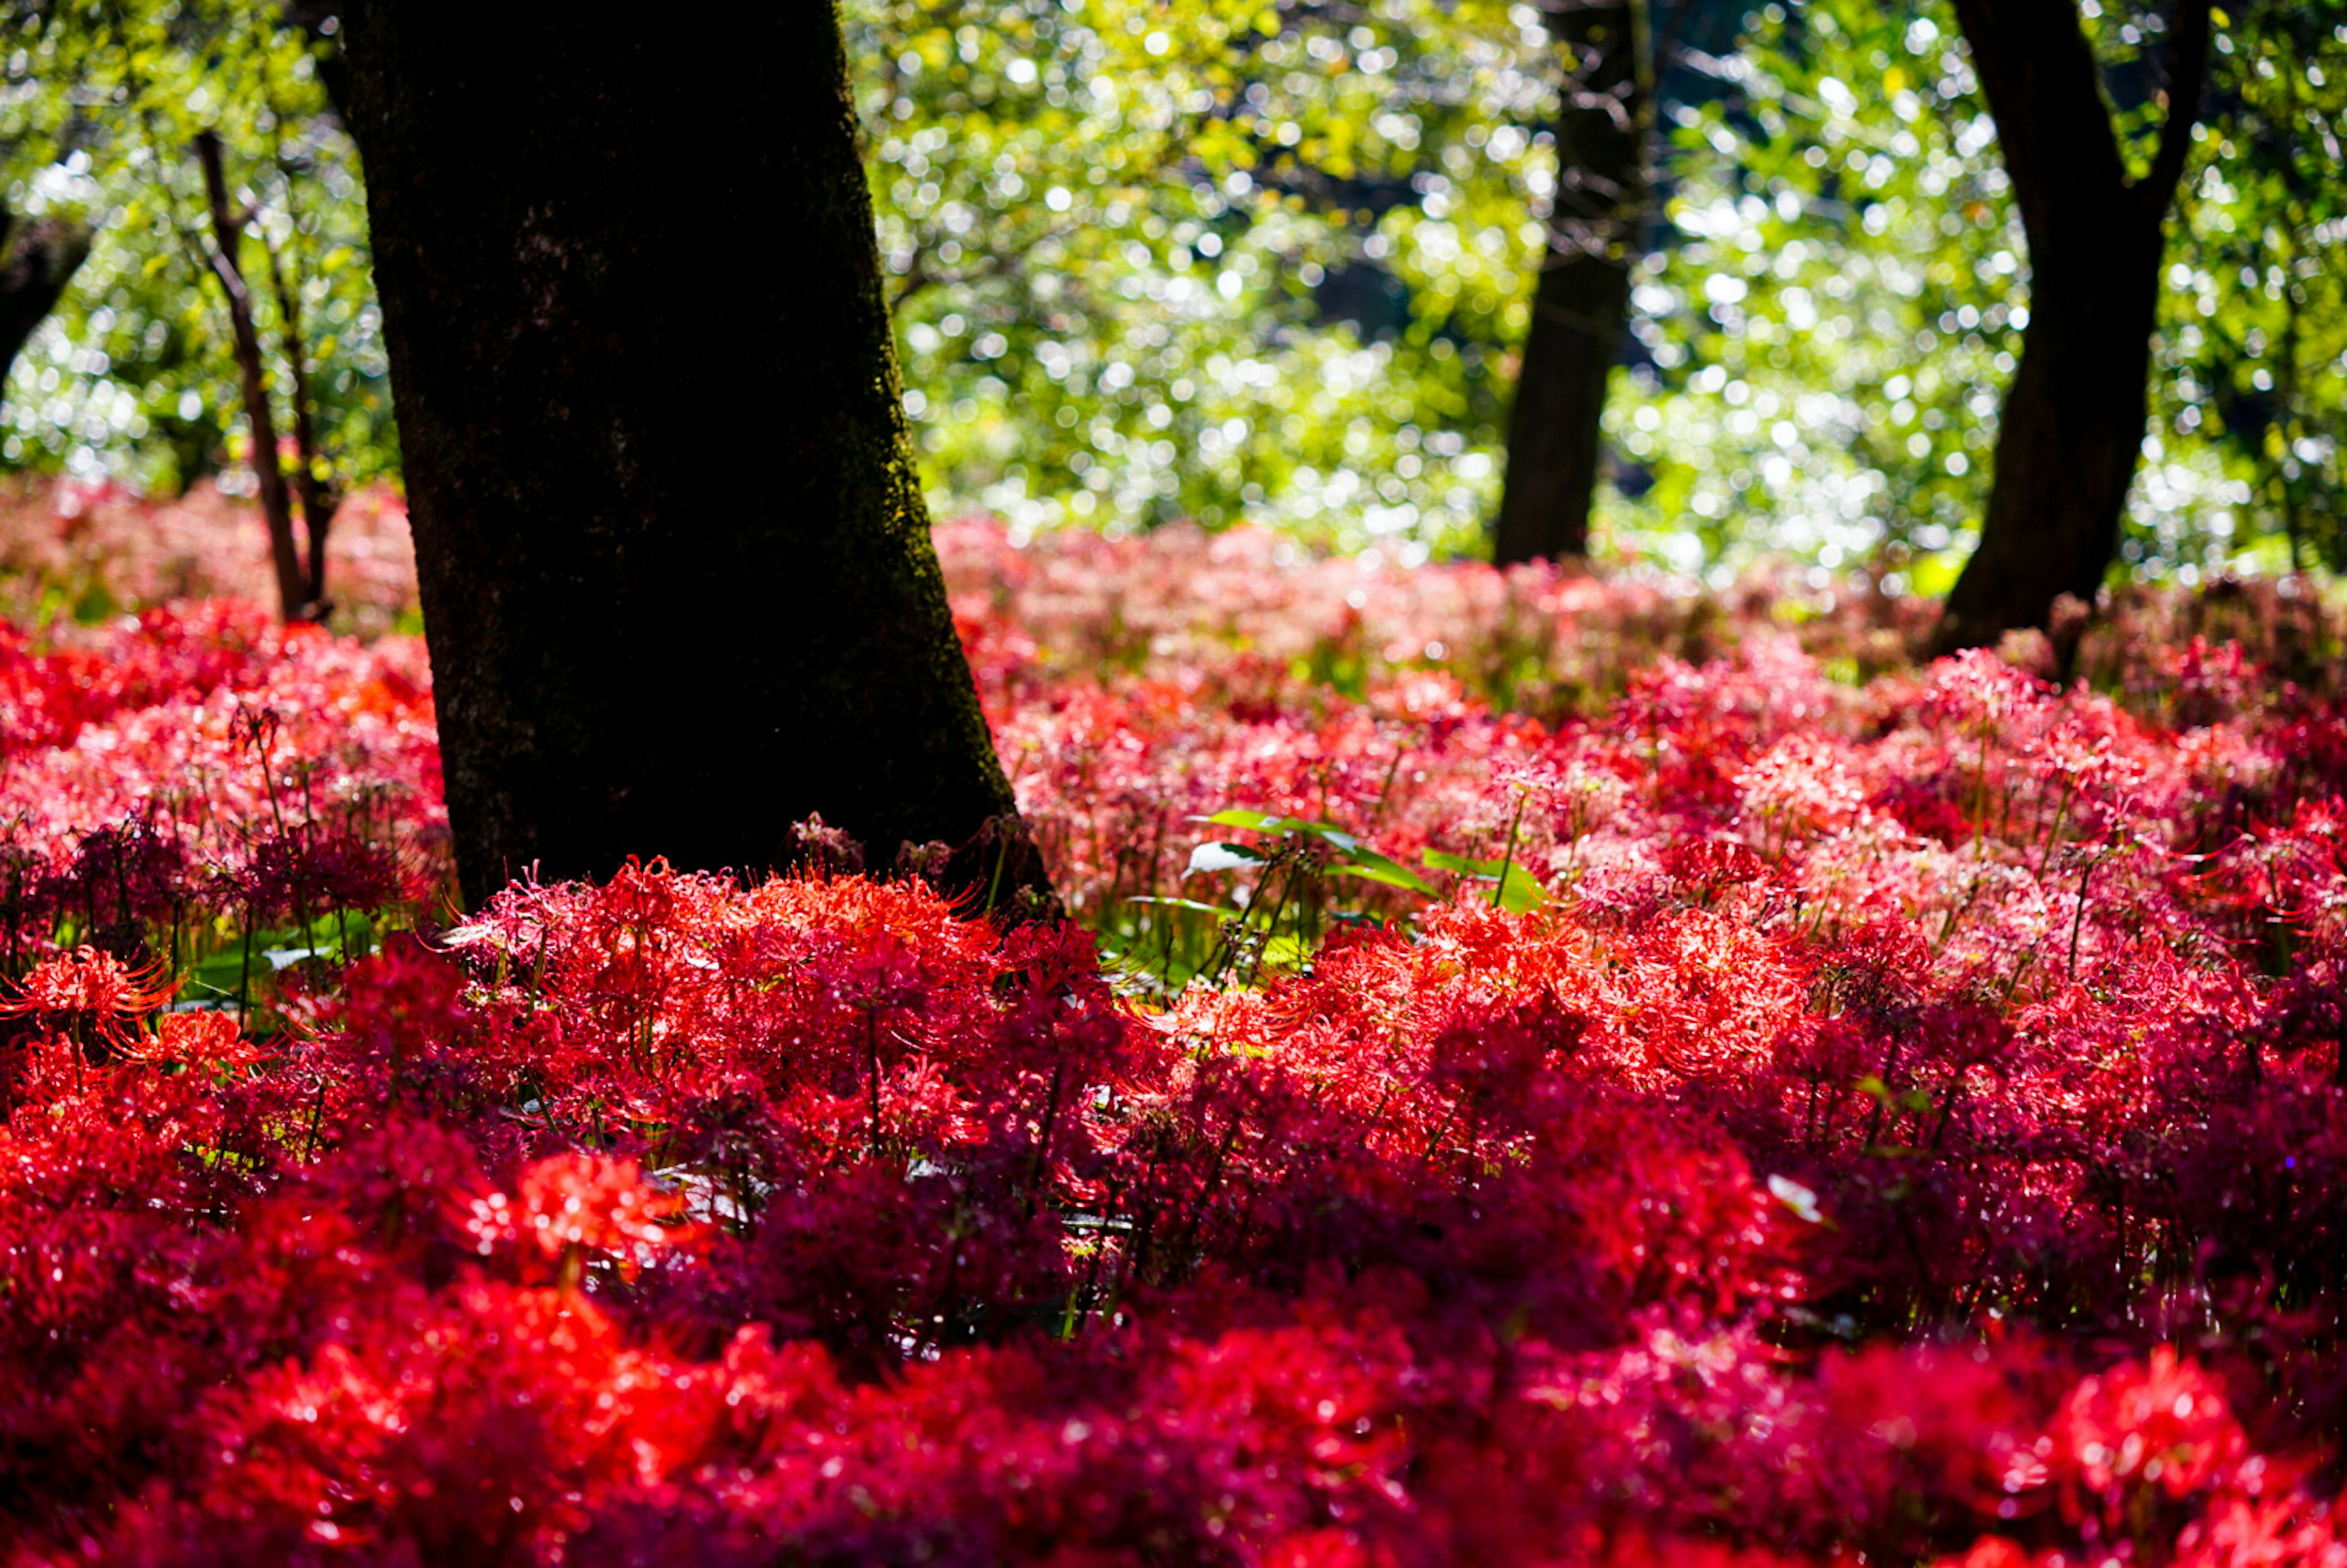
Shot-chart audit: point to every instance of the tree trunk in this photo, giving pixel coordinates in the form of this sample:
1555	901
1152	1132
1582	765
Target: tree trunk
2073	424
294	600
37	260
320	496
674	562
1581	303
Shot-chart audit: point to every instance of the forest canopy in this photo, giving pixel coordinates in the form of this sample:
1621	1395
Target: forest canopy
1235	261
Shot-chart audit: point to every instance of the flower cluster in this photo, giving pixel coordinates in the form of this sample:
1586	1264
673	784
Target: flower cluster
96	548
1734	1110
198	790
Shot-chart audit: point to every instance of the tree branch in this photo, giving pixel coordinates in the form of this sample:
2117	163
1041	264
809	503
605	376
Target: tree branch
37	260
2188	73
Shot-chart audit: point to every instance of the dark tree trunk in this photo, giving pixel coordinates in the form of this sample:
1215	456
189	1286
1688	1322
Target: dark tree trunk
37	260
320	497
2073	423
1580	305
675	566
295	602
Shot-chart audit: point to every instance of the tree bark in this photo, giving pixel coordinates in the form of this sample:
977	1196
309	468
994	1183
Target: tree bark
675	566
320	497
294	600
2071	427
37	260
1580	305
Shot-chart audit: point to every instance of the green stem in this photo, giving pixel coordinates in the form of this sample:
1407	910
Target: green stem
1508	857
872	1053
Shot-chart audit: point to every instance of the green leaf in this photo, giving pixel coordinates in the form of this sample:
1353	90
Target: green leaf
1192	903
1264	822
1521	891
1441	860
1287	952
1371	867
220	974
1213	855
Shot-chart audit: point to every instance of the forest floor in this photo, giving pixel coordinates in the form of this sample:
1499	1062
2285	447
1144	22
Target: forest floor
1546	1069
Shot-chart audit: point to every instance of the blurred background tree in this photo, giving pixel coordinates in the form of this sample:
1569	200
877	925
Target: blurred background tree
1617	61
1240	258
1139	266
1824	319
2094	203
38	257
2258	340
134	376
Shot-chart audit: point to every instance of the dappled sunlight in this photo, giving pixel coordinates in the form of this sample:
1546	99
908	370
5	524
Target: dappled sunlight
1756	1114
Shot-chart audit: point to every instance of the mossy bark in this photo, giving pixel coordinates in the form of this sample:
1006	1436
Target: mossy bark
675	566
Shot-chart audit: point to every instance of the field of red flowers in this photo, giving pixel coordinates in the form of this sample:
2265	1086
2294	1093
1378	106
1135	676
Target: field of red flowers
1545	1071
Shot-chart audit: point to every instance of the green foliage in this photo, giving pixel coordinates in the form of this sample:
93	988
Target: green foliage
1254	258
1513	888
1797	392
226	968
1825	327
1121	238
1850	295
1830	335
1334	850
1282	902
133	373
2257	328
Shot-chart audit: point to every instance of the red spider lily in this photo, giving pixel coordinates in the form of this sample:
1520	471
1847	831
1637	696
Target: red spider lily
94	993
205	1042
576	1208
1909	1127
2166	1424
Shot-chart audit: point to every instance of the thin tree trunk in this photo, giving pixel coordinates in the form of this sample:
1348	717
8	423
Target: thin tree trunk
37	260
227	231
2292	419
1580	305
2071	427
319	498
675	566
